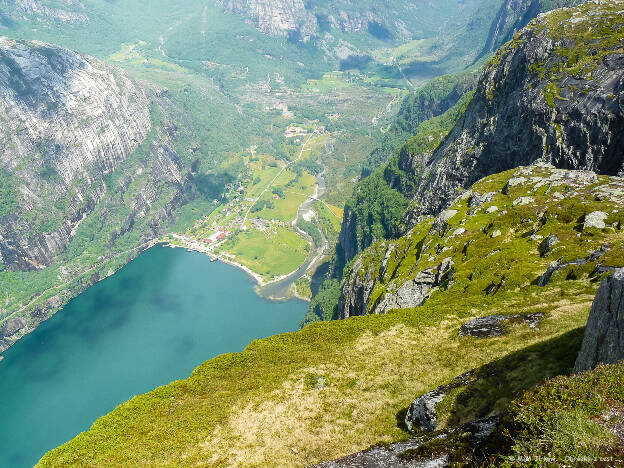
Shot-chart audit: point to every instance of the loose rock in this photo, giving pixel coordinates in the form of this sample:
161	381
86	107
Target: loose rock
523	201
595	219
546	247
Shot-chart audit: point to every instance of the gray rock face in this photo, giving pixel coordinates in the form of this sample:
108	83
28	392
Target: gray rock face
358	286
547	245
595	219
355	292
604	334
66	121
493	325
276	18
440	223
554	267
514	15
406	454
422	415
69	13
509	123
478	199
412	293
383	456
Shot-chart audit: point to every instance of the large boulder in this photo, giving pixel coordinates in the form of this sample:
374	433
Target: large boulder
604	335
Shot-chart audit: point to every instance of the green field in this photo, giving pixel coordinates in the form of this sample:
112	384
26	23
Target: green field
270	254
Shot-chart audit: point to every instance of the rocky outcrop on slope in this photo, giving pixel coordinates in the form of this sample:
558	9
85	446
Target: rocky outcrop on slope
456	445
494	325
66	121
604	335
421	414
528	208
552	94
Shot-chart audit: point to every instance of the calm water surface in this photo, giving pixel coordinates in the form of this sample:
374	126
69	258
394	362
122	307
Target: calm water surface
153	322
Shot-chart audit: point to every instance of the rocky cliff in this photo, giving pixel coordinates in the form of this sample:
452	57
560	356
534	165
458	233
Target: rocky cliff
513	15
604	335
283	18
301	20
67	121
71	12
553	94
89	176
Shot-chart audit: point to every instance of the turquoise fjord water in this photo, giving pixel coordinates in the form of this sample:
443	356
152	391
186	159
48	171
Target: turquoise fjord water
153	322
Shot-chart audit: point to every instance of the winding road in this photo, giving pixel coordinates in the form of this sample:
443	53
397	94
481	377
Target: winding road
242	224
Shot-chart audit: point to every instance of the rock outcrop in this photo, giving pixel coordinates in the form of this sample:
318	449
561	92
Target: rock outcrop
358	287
514	15
464	445
604	335
277	18
494	325
532	104
421	414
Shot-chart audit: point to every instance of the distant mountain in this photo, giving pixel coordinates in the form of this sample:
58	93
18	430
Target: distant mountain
68	12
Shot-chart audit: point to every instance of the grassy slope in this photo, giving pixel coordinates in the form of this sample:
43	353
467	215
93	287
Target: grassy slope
260	407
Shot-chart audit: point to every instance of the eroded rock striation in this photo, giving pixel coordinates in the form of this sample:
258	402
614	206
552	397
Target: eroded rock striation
604	335
66	122
277	18
71	12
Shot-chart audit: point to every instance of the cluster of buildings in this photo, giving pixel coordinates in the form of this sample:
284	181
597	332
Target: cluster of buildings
218	236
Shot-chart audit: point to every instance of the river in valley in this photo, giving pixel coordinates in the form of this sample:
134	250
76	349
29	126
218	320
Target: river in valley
152	322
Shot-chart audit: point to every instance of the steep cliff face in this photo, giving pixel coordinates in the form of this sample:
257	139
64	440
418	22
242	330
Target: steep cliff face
375	210
66	122
71	12
552	94
513	15
393	21
282	18
89	175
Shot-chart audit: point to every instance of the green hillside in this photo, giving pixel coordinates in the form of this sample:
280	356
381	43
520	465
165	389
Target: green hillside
337	387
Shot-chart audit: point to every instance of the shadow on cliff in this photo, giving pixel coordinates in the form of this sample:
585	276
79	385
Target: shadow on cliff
495	385
498	383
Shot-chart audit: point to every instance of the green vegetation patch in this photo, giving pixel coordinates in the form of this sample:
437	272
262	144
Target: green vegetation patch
567	417
276	252
354	378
